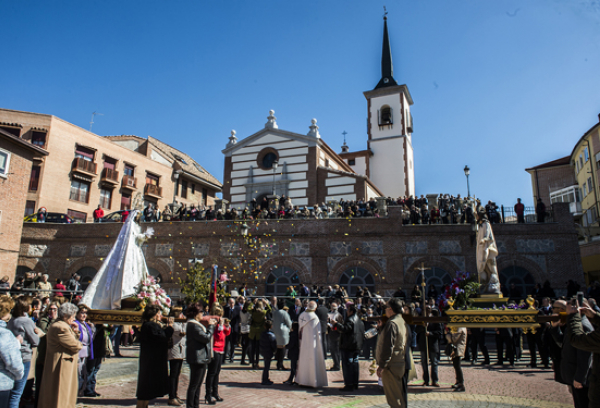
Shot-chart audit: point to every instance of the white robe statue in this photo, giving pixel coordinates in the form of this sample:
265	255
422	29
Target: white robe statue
487	251
122	270
311	369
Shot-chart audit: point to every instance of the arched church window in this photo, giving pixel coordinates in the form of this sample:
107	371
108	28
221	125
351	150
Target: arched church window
435	276
87	273
357	276
156	274
279	279
385	115
521	277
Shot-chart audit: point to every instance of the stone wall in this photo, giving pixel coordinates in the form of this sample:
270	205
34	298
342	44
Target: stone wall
320	251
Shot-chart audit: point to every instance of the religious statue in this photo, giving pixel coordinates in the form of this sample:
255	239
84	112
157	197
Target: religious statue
122	270
487	251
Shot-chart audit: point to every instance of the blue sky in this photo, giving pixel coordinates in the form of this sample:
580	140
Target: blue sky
498	85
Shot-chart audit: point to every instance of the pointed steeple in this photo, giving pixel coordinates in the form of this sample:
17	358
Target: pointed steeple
387	68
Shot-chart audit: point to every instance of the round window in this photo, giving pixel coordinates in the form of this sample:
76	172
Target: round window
266	157
268	160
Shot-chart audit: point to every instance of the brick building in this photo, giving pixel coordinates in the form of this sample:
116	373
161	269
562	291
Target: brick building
83	170
379	253
16	158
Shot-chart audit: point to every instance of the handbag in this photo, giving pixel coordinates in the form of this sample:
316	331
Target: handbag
450	348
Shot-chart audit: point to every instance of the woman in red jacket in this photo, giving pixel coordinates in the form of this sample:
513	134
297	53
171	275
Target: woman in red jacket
214	367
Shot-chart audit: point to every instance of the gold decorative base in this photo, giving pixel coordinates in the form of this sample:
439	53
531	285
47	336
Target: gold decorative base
494	319
494	299
115	316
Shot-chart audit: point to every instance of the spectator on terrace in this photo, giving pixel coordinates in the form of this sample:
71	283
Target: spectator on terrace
98	213
416	294
540	210
4	286
210	214
520	211
167	213
435	215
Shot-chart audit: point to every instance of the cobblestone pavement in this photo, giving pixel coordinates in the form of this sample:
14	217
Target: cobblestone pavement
493	387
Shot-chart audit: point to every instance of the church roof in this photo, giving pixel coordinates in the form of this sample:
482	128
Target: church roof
387	67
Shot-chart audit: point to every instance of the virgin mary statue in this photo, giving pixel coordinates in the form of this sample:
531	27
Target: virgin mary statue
122	270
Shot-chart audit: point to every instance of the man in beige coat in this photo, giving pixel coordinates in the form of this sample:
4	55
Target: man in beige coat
59	382
390	355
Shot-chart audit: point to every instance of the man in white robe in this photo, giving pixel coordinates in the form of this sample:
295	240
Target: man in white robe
311	370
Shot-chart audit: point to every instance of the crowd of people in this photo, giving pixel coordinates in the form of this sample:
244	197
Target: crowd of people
306	327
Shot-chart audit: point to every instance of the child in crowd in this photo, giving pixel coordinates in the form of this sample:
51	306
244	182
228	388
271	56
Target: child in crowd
268	346
293	352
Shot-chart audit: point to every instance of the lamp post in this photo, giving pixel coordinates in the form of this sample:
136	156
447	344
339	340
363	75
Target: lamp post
467	172
176	175
275	163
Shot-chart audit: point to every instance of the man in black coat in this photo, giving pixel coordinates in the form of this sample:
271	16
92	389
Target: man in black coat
351	342
232	312
428	340
297	310
323	314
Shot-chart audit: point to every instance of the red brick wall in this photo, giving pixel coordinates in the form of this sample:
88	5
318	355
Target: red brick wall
394	266
12	204
553	178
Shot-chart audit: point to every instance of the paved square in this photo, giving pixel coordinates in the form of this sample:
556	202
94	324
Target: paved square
240	387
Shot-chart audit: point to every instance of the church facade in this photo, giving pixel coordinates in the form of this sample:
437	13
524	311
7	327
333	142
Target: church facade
303	167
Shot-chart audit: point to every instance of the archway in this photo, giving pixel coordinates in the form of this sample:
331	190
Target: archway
357	276
21	271
156	274
279	279
523	280
87	273
435	276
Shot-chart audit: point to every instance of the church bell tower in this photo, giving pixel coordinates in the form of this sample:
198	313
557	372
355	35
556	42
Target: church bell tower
389	125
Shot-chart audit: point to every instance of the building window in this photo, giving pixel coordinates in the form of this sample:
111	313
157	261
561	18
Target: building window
38	138
77	216
351	162
125	202
280	279
80	191
266	157
128	170
4	163
29	207
585	189
326	162
151	179
204	196
183	188
385	116
193	188
590	185
586	154
84	153
105	198
580	161
34	178
357	276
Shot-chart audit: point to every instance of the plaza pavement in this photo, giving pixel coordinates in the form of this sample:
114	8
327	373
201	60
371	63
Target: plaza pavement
240	387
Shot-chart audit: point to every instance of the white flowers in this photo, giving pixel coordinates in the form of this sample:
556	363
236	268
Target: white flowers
150	292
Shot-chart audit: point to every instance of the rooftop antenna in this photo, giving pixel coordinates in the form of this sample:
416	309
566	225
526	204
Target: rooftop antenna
94	114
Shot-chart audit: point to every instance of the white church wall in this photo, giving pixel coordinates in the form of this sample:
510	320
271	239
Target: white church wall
238	198
297	193
243	158
264	179
300	201
339	181
387	166
411	169
279	146
360	166
340	190
298	184
237	190
371	193
269	138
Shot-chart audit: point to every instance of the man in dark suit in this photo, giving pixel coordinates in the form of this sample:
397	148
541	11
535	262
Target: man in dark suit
428	340
322	314
296	311
232	312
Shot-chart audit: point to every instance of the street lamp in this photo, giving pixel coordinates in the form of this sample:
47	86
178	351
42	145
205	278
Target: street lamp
274	171
176	175
467	172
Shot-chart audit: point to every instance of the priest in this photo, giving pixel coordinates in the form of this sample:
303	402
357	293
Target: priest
311	370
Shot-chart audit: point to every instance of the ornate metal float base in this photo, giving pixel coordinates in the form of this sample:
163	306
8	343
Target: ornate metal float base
525	319
127	317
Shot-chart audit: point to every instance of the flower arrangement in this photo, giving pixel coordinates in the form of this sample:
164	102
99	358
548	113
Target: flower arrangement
150	293
458	292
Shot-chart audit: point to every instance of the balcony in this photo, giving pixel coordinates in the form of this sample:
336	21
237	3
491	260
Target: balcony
110	177
129	182
84	166
153	191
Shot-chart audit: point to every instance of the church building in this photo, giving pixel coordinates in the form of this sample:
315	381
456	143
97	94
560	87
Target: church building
303	167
